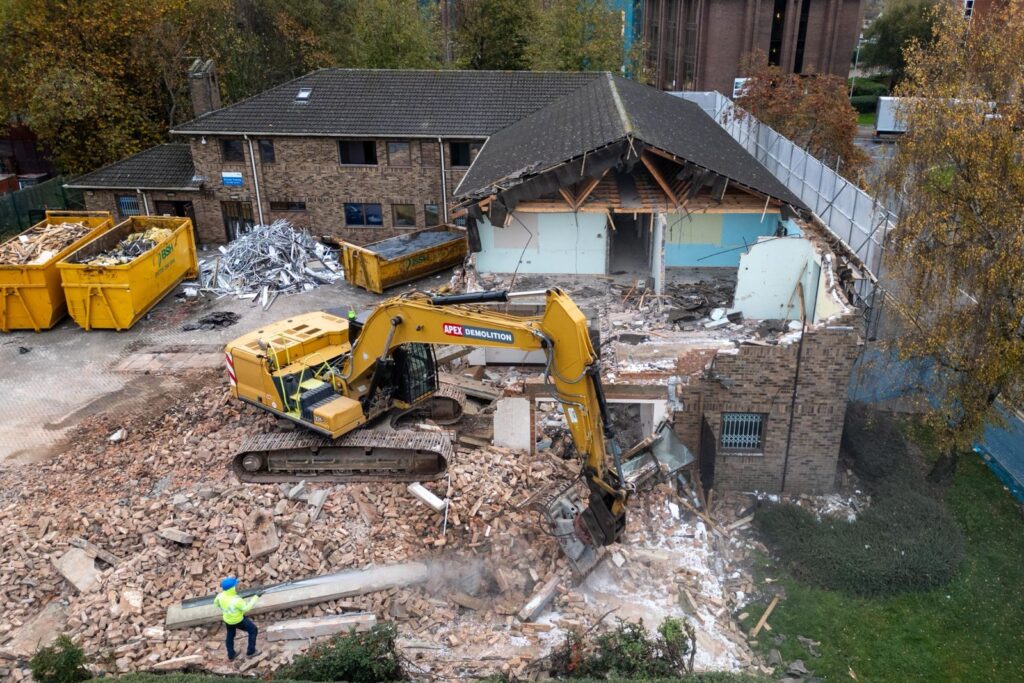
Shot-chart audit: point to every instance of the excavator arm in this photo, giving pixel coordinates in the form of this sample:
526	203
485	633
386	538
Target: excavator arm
572	372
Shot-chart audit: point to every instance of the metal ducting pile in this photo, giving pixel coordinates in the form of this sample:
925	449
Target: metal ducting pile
267	261
40	244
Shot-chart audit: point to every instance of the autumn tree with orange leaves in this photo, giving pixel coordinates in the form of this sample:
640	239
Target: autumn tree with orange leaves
957	253
811	110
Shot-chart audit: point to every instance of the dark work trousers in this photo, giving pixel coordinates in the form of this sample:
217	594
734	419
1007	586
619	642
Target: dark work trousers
247	625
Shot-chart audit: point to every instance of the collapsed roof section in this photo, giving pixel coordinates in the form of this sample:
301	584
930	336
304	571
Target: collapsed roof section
612	124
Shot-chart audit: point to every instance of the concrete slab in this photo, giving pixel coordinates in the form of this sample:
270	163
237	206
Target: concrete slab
306	592
297	629
79	569
512	424
176	535
41	631
261	534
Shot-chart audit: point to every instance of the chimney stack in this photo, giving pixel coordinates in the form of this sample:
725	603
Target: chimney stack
202	85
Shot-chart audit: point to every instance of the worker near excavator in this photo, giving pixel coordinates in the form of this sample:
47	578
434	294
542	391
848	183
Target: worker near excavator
233	607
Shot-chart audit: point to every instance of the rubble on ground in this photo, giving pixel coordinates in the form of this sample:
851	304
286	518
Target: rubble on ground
265	262
130	248
162	520
40	244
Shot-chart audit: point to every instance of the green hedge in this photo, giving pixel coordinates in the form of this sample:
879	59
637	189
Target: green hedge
865	104
864	86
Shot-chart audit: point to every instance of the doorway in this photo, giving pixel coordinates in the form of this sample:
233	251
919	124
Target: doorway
237	218
630	245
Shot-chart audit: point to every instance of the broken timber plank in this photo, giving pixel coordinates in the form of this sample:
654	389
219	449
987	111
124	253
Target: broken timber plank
472	387
305	592
96	551
532	609
764	617
178	663
740	522
298	629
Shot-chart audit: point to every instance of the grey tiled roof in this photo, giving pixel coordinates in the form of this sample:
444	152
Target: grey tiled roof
386	102
164	167
605	111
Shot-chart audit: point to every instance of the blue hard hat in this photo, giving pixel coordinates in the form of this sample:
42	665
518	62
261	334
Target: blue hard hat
228	583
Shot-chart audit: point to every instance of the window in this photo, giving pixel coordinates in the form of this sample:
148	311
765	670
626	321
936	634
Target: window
968	8
404	215
128	205
778	26
743	432
430	214
303	94
358	152
363	214
463	153
399	154
287	206
267	151
232	150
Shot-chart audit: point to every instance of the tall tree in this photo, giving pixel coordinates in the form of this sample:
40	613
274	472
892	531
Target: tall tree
396	34
579	35
956	254
900	22
812	111
493	34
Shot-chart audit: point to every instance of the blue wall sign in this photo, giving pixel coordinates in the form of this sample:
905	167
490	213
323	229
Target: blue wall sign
231	178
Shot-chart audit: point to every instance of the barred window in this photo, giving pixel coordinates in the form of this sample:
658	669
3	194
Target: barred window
743	432
128	205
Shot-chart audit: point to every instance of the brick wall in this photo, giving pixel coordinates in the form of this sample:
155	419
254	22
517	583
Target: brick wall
308	170
759	379
106	200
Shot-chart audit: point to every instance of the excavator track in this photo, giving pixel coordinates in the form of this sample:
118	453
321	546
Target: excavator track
361	456
444	407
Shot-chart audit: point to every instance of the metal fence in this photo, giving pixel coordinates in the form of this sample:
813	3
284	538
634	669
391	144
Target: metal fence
849	213
24	208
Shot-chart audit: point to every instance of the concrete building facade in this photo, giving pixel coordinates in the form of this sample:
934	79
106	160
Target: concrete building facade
698	44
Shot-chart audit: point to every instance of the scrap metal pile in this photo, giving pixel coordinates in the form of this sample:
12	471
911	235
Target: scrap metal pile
267	261
128	249
41	243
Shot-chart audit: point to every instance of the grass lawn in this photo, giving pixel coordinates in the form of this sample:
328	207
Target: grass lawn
866	119
971	630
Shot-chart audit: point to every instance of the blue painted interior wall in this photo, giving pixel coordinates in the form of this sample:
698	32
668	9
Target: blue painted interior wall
714	239
560	243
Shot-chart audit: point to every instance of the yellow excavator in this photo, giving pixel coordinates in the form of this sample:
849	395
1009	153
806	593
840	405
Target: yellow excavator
335	372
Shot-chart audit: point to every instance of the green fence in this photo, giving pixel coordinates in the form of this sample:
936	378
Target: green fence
24	208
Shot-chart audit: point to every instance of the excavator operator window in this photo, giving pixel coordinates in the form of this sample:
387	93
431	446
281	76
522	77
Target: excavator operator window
416	371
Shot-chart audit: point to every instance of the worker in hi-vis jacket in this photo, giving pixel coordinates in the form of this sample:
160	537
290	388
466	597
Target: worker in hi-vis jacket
234	608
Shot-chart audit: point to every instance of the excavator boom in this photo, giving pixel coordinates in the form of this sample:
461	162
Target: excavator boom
335	374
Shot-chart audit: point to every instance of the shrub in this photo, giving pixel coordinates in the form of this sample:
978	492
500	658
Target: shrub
874	444
357	657
62	662
864	86
865	104
628	651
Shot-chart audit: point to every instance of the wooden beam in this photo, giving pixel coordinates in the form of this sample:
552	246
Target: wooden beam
589	187
764	617
658	177
567	197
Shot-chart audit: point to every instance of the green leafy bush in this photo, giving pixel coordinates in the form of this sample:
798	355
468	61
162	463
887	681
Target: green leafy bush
357	657
864	86
907	540
62	662
628	651
865	104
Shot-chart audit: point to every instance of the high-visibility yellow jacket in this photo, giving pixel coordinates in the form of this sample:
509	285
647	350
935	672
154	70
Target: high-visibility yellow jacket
233	607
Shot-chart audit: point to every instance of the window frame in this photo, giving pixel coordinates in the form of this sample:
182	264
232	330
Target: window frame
120	210
367	145
427	212
290	206
745	433
470	144
362	208
408	152
263	152
394	216
223	150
